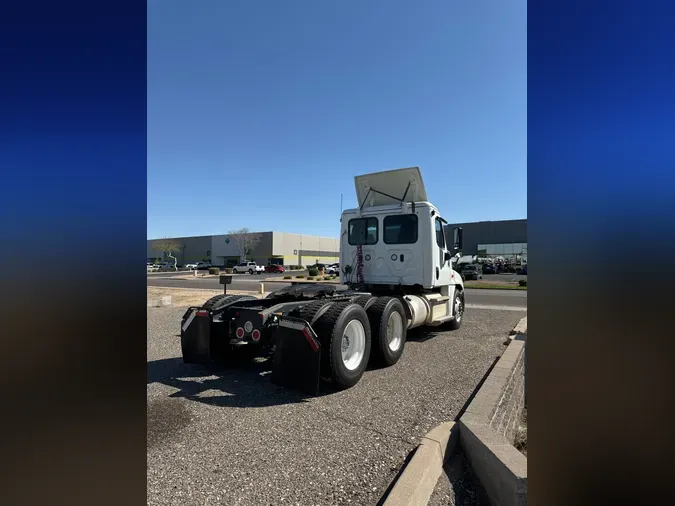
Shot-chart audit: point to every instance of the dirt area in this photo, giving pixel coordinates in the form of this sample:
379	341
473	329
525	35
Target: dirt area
191	296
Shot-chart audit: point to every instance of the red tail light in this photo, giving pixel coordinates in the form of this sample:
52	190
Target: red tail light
255	335
240	332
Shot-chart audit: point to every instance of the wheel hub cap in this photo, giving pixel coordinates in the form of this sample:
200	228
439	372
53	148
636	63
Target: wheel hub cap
353	345
394	331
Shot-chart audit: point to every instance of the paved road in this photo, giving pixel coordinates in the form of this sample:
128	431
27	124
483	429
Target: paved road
230	436
476	298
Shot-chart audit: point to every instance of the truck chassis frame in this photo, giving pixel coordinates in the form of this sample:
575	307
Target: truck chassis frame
298	325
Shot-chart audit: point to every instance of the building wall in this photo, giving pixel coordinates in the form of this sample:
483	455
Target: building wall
490	232
274	247
223	252
192	249
298	249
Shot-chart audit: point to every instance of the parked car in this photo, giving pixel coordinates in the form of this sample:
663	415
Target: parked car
152	267
198	266
472	271
275	268
250	267
332	269
489	269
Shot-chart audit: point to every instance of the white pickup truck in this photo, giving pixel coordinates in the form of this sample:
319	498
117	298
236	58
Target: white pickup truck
250	267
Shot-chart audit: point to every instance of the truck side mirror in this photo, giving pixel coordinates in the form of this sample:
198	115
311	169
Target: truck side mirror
457	238
448	256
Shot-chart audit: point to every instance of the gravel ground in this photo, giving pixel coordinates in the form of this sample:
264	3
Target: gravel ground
231	436
457	485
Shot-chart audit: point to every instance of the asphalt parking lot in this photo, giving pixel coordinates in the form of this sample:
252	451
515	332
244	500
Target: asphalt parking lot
230	436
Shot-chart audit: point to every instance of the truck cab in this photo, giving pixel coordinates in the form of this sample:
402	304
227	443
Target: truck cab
396	237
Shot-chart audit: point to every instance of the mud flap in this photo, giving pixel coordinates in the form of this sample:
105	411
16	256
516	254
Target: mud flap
195	336
297	357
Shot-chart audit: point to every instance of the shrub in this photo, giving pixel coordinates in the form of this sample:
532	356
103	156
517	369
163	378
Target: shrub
310	277
299	276
313	271
228	270
214	270
522	282
288	277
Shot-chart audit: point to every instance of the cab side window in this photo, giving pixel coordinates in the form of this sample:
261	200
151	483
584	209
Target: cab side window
440	236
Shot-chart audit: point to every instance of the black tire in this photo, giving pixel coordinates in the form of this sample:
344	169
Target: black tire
312	311
458	301
379	315
220	300
330	328
250	271
365	301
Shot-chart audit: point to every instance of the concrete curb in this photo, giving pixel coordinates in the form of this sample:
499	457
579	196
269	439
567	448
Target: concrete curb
418	480
501	469
160	301
521	327
519	330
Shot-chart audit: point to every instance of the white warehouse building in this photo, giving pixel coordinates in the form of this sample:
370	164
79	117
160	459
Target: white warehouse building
271	248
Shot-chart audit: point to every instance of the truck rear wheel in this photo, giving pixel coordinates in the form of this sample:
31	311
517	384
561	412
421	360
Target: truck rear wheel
365	301
344	331
388	324
312	311
220	300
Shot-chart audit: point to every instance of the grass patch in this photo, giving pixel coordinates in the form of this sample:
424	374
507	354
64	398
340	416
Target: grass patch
299	276
493	286
288	277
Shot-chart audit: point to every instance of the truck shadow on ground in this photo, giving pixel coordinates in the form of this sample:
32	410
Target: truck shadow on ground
421	334
238	385
242	383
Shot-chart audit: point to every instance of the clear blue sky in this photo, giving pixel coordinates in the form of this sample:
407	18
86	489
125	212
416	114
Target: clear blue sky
261	113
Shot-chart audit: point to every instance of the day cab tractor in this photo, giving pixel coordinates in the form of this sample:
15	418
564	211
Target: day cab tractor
396	274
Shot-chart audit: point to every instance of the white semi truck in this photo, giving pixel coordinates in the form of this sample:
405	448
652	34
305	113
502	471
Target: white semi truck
396	274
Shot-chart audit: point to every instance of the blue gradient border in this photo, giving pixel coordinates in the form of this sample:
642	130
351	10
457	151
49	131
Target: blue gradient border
73	199
601	204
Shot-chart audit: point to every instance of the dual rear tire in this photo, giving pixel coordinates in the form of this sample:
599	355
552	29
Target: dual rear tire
355	332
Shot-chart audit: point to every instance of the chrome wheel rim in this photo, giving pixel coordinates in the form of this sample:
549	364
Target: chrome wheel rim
394	331
459	308
353	345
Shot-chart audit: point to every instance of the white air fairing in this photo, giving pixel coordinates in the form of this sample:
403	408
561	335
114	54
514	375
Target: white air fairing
378	188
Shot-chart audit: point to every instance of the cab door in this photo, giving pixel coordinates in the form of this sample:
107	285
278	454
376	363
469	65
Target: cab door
443	266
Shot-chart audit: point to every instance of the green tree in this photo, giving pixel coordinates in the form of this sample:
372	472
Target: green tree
168	247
